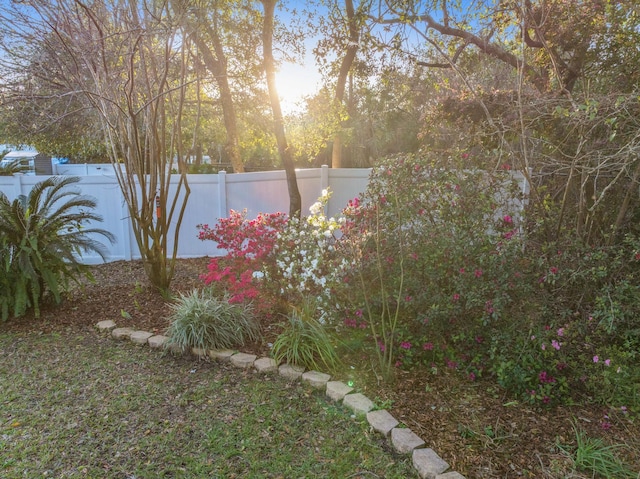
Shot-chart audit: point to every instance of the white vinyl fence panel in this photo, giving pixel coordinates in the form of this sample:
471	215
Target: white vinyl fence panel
212	197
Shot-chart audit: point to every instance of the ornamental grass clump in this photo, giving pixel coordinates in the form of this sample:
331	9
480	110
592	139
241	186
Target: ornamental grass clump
201	320
305	341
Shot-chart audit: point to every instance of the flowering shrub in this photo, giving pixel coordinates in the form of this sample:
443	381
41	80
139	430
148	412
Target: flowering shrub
248	243
592	295
433	256
430	267
302	261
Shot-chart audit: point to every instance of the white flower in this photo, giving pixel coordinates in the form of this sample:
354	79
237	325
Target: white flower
315	208
258	274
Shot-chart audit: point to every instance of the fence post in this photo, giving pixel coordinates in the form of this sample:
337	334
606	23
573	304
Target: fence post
324	185
324	178
222	194
126	230
17	183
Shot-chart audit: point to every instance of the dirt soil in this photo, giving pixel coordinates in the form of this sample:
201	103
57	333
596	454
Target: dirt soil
477	428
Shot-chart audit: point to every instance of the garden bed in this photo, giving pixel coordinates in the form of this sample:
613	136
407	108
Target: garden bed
472	424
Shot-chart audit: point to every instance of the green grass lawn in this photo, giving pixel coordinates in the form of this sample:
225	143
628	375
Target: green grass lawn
81	405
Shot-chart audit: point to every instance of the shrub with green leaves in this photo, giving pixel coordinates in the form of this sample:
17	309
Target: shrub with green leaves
43	236
202	320
305	341
433	257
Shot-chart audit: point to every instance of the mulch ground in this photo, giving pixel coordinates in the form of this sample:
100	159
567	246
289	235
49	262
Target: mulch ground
477	428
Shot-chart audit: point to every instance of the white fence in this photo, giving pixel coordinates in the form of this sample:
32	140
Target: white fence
212	196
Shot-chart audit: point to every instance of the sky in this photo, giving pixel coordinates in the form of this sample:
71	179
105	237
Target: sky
295	81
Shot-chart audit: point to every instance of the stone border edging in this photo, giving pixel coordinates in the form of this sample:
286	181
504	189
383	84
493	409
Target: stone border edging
425	460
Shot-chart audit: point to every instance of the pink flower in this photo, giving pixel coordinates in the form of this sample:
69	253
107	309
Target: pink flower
607	362
488	306
553	270
509	234
507	219
478	273
405	345
596	359
472	377
561	332
543	346
456	297
350	323
555	344
358	313
427	346
461	270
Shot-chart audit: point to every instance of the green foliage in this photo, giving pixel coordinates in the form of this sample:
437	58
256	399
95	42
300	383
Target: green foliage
305	341
13	167
433	255
42	236
580	334
201	320
591	455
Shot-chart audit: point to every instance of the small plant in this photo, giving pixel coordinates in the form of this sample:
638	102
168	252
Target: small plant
200	320
42	235
305	341
593	456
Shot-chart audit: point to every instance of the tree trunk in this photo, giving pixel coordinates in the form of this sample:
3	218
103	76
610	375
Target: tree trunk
295	201
216	64
345	67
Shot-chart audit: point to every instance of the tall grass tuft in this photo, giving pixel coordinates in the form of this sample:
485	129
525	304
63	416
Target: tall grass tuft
593	456
305	341
201	320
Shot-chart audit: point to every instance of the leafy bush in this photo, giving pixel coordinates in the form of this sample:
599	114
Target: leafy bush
432	257
201	320
305	341
42	236
442	264
247	244
302	261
